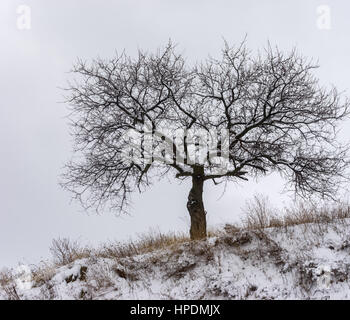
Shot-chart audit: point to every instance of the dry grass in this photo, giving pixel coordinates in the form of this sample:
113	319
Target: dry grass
259	214
154	240
7	284
66	251
42	274
6	277
304	214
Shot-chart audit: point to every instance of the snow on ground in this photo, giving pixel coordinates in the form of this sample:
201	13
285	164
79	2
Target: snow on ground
310	261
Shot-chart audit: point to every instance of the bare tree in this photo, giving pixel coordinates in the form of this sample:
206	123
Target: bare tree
261	113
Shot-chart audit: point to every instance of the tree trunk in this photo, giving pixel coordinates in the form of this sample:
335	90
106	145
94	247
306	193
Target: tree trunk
195	206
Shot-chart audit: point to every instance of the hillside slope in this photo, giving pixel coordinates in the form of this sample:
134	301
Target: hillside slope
306	261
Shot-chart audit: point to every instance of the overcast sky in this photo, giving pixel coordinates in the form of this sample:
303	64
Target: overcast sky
34	136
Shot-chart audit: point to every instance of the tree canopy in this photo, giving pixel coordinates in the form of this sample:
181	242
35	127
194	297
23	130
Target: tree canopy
261	113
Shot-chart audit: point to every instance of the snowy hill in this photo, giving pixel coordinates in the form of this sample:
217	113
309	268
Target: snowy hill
301	261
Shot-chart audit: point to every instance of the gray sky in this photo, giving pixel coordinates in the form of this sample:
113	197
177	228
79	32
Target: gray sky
34	135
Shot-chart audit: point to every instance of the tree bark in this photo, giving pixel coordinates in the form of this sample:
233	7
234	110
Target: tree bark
195	206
